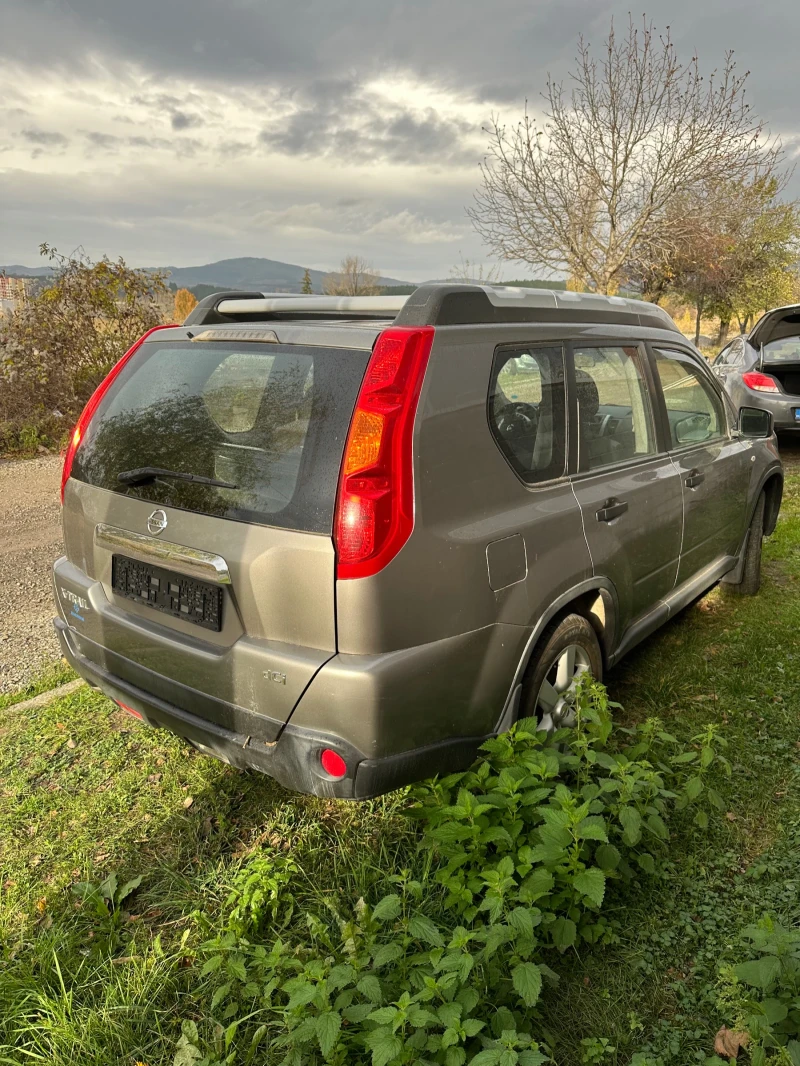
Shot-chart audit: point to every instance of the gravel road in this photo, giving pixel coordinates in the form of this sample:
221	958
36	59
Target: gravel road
30	539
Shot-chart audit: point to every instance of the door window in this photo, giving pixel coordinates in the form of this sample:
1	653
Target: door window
527	411
695	411
615	422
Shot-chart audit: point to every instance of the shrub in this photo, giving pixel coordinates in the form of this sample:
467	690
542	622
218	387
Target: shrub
447	967
56	348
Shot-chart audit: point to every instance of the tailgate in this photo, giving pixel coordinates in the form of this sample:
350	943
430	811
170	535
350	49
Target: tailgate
222	586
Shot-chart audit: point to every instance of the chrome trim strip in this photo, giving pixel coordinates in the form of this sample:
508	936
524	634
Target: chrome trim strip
190	561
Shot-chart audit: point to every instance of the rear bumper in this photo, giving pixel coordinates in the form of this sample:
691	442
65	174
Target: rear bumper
293	759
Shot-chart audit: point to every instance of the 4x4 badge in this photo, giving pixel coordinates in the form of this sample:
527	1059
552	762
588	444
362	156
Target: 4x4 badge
157	522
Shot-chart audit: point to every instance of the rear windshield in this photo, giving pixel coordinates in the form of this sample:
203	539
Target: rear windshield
269	419
786	350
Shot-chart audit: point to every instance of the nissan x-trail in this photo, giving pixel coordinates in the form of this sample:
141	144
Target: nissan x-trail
344	541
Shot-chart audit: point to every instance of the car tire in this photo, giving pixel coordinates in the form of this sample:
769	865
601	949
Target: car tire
567	649
750	582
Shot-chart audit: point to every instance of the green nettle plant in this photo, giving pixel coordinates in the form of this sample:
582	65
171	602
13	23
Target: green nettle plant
764	992
448	968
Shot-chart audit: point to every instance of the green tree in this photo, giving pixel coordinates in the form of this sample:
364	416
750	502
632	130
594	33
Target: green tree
738	245
307	288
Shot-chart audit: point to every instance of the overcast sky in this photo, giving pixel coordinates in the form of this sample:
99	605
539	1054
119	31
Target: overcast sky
184	131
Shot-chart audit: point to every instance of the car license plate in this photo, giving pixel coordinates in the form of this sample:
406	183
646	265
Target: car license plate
797	414
175	594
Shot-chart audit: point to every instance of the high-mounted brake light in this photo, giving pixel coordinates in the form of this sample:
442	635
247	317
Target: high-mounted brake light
79	432
760	382
375	506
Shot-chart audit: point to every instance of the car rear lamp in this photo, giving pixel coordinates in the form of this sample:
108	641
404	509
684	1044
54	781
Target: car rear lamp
332	763
79	432
760	382
130	710
375	505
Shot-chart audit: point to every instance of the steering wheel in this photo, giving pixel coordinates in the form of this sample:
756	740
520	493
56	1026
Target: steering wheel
517	421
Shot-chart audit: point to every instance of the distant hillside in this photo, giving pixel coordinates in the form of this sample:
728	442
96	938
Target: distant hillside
262	275
17	271
248	272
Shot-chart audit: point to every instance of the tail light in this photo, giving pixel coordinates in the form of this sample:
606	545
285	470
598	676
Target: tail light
333	764
375	505
79	432
760	382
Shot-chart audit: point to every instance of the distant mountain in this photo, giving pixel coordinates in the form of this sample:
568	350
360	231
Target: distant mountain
16	271
262	275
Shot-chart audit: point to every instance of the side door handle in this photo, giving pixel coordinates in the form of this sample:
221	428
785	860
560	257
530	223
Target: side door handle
693	479
611	509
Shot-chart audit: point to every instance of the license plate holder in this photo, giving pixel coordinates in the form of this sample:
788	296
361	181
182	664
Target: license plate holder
198	602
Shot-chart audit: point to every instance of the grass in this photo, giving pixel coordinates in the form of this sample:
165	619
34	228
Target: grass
86	791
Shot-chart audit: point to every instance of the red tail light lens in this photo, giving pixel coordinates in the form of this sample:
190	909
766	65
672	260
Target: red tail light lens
79	432
332	763
375	507
130	710
760	382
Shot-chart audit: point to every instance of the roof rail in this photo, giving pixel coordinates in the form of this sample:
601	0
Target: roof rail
257	306
436	305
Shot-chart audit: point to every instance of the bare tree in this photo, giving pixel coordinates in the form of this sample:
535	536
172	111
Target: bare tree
582	192
355	277
471	272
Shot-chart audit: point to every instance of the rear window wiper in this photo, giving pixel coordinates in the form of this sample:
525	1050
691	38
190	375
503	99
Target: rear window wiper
143	475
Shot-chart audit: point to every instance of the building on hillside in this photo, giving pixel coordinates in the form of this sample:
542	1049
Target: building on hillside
13	293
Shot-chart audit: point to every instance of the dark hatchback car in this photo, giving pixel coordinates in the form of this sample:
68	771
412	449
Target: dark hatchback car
762	369
344	541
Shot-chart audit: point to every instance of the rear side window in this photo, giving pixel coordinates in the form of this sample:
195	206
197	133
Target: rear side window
615	423
695	411
527	411
269	421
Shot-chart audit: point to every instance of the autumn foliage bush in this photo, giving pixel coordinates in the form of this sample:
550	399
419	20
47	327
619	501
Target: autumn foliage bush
58	346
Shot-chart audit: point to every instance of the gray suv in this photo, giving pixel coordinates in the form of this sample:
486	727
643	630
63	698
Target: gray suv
762	369
345	540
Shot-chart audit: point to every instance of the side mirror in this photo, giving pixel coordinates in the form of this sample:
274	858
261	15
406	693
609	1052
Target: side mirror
754	422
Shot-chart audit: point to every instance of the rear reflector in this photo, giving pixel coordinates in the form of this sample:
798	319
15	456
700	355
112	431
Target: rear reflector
332	763
760	382
375	506
130	710
79	432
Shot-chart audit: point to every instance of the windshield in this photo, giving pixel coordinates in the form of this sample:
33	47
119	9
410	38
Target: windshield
266	422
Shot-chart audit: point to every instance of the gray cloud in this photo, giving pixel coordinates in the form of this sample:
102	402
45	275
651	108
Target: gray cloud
45	138
181	121
183	66
339	119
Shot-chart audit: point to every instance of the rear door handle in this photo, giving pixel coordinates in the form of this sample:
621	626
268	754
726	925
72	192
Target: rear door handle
611	509
693	479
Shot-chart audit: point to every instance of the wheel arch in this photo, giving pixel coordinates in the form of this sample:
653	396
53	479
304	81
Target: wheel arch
596	600
772	487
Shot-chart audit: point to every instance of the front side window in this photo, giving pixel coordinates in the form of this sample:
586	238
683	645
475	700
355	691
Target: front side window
527	411
615	423
695	411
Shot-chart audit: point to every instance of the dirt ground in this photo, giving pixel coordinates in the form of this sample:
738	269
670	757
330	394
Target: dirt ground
30	539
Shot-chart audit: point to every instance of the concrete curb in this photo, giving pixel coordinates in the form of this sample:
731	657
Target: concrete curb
44	698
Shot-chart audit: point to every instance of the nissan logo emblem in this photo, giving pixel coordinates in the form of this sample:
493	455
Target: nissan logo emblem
157	522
